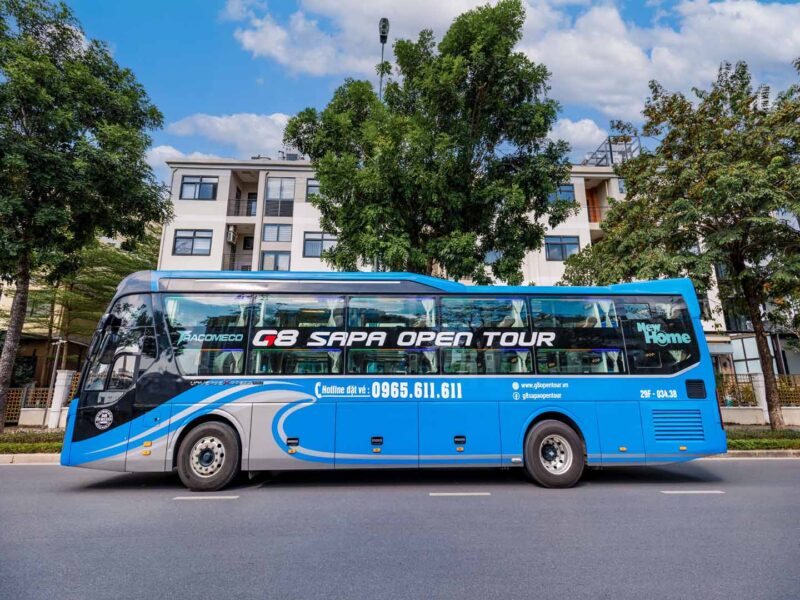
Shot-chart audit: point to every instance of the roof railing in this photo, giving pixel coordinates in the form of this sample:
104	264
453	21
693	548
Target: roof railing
614	150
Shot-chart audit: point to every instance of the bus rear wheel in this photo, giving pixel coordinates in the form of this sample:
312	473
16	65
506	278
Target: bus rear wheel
208	457
553	455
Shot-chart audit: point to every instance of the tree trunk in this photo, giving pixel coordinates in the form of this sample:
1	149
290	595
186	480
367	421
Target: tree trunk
764	356
16	320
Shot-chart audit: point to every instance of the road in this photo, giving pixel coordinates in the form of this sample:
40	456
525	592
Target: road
72	533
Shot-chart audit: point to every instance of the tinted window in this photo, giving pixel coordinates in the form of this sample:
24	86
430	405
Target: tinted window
465	314
295	361
658	334
584	361
132	311
208	332
588	338
299	311
573	312
128	330
474	361
368	361
385	312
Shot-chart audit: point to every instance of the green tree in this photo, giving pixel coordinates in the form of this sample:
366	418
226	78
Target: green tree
75	304
718	190
73	137
455	164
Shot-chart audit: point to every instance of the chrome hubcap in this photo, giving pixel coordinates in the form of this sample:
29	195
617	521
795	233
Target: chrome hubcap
208	456
555	453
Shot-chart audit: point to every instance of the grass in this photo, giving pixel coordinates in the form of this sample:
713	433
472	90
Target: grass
762	438
30	441
30	448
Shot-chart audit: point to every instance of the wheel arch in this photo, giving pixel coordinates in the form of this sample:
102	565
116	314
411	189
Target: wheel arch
212	417
555	415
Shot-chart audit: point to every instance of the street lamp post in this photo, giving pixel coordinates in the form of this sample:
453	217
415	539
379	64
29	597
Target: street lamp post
383	34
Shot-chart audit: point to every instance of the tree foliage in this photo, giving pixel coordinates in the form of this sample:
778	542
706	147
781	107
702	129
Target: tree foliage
453	165
73	137
81	298
721	189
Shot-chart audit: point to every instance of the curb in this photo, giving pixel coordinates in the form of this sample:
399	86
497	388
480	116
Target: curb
757	454
30	459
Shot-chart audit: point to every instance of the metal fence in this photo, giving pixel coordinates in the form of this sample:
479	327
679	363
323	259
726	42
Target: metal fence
789	390
30	397
736	390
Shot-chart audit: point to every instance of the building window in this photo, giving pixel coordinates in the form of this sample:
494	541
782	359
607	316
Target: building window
280	197
565	193
199	188
315	243
560	247
277	233
621	185
312	188
252	199
275	261
247	242
190	242
492	257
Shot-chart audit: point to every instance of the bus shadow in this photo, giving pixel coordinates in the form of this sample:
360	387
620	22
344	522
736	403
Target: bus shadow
442	478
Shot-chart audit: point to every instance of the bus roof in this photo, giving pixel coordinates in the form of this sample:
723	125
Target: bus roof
154	281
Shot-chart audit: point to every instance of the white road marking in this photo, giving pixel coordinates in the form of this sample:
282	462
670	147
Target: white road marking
692	492
460	494
206	498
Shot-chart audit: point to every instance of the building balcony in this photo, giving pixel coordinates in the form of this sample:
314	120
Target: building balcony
237	261
242	207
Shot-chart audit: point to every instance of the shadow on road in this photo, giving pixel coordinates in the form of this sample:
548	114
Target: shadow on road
286	480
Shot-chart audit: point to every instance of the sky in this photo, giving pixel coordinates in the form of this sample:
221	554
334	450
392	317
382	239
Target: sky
227	75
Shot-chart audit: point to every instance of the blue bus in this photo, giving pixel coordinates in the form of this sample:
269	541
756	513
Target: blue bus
213	373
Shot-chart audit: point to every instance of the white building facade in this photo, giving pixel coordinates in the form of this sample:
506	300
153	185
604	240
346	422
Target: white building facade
255	215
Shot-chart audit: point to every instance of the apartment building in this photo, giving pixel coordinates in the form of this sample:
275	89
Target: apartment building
255	215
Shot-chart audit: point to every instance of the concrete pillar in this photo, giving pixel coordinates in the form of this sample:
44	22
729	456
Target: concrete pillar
60	393
760	391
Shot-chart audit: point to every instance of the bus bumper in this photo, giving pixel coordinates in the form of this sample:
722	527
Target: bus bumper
67	445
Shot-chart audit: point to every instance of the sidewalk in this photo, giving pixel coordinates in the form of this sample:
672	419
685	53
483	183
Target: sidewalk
52	459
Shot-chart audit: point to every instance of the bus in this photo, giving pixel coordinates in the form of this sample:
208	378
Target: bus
214	373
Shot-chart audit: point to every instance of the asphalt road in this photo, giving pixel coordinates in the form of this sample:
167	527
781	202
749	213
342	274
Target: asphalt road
72	533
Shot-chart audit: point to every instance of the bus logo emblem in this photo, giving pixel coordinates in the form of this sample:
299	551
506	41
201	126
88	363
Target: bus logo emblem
103	419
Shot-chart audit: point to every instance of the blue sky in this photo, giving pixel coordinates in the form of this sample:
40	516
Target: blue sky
228	74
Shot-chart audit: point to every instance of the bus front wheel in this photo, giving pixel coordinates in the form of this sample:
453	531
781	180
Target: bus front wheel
208	458
553	454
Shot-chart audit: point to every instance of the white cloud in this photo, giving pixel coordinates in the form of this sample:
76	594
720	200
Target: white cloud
238	10
249	133
597	59
158	156
583	135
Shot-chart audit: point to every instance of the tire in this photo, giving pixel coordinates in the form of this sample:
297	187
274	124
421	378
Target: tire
553	455
208	457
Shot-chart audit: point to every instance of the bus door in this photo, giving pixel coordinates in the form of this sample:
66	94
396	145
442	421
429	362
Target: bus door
107	405
151	385
103	407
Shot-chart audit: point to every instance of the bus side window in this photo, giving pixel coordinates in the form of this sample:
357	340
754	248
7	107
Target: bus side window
588	339
301	314
659	337
208	332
